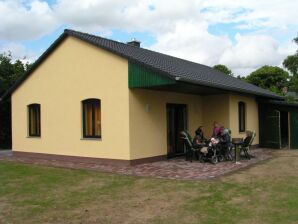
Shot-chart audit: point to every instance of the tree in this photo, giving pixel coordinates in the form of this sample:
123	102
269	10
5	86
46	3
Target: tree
9	72
224	69
293	83
291	64
269	77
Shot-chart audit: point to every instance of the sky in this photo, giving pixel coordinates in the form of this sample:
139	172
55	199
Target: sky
243	35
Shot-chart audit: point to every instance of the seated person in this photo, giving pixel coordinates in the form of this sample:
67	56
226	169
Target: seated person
216	130
225	138
200	133
199	139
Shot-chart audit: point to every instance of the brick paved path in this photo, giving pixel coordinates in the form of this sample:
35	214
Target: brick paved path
176	168
5	152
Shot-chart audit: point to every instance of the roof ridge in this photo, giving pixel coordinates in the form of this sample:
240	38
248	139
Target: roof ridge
69	31
172	66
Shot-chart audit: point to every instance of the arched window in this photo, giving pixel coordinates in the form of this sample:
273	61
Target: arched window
34	120
91	118
242	116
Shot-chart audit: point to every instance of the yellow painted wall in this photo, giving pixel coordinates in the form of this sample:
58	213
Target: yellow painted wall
224	109
148	130
73	72
215	108
252	122
76	71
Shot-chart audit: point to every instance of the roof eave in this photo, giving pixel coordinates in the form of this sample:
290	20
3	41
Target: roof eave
71	33
228	88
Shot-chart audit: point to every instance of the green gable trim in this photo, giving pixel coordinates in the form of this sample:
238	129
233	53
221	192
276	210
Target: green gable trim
138	76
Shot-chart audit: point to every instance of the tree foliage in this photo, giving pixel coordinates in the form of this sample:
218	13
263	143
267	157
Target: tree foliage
291	64
224	69
10	71
269	77
293	84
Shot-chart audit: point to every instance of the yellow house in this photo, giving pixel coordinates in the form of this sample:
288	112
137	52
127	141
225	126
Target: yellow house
90	98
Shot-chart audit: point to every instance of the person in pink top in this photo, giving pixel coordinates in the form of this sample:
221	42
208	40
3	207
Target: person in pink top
216	129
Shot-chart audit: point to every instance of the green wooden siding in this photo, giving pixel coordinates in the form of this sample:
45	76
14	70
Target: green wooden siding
138	77
269	127
294	129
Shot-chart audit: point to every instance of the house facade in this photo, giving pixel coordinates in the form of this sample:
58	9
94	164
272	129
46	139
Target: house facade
84	99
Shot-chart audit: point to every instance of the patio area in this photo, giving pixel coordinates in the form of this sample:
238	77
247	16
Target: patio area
176	168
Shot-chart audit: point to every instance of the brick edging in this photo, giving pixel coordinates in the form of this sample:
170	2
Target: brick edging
82	159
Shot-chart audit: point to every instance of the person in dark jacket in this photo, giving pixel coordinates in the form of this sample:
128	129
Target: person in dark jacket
199	139
225	138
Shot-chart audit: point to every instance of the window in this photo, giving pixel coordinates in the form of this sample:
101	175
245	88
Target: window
91	118
34	120
241	111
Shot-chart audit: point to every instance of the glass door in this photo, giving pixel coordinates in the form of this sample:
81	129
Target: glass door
176	122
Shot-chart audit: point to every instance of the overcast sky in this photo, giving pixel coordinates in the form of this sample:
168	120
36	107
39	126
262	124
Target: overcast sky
242	34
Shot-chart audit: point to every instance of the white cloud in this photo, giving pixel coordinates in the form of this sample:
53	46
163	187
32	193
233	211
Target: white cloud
252	51
19	51
191	40
180	27
21	21
253	13
130	15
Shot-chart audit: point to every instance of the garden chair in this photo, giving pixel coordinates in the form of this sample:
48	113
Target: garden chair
247	144
190	149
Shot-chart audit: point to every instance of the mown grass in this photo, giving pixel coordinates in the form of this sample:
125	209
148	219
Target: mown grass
266	193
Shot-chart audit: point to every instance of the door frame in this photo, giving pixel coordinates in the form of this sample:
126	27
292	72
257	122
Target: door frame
279	127
185	117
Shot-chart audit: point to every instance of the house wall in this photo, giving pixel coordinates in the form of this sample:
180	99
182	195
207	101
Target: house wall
252	121
73	72
148	129
224	109
215	108
76	71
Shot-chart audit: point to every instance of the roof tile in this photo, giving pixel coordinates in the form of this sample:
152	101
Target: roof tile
174	67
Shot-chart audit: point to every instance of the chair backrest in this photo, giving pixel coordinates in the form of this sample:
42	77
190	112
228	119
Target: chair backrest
249	139
253	135
187	138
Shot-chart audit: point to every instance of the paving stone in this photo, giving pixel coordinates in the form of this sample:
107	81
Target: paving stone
176	168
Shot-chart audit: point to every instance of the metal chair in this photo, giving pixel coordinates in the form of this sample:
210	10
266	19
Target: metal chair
245	147
190	149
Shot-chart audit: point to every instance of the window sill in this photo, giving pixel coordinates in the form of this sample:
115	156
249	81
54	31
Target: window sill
91	139
38	137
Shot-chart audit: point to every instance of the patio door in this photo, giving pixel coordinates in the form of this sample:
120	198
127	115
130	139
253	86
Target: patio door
176	122
270	128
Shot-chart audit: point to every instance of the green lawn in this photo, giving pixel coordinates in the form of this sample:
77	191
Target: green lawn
266	193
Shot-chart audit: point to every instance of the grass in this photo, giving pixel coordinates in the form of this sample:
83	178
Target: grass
266	193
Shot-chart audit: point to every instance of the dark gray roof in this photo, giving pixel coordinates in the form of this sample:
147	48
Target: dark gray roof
173	67
280	103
